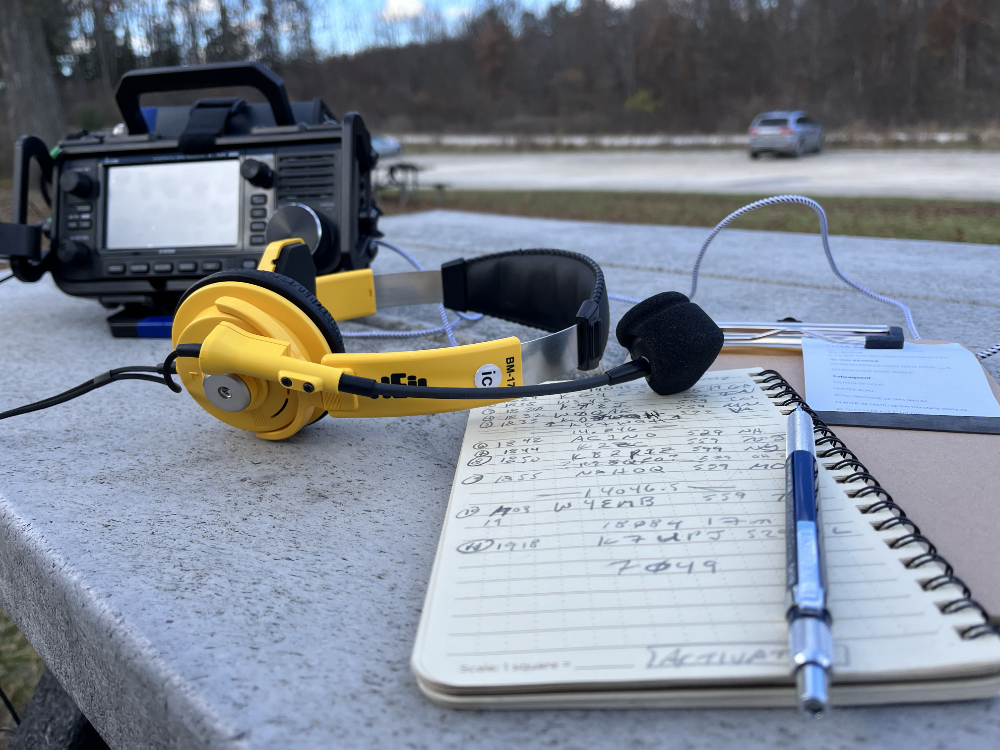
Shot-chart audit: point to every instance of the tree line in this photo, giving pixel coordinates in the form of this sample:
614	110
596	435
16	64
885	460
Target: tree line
595	66
684	65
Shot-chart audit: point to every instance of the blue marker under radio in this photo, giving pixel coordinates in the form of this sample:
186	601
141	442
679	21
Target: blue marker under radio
155	327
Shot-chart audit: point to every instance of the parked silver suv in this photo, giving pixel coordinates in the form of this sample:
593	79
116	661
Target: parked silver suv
792	133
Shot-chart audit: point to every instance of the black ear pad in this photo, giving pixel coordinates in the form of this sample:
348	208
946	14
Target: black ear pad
676	336
288	288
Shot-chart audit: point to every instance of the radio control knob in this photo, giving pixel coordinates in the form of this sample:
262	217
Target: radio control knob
257	173
76	182
72	253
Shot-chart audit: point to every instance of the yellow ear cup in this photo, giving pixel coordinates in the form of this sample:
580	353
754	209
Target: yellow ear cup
266	304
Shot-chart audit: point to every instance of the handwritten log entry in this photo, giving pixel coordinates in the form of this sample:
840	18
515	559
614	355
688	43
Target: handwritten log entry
618	536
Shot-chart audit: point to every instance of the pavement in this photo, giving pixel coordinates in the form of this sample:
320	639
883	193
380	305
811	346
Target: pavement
916	173
195	587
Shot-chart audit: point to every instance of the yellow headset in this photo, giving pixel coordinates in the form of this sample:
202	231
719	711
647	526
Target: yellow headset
260	349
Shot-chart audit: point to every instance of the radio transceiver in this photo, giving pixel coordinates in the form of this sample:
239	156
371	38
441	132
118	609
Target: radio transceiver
140	213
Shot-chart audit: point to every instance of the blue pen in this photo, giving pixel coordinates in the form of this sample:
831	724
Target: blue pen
809	636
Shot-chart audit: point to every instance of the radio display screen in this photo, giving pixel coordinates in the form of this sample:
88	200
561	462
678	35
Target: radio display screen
173	205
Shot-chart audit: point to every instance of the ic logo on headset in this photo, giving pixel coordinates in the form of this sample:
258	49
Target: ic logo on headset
490	376
261	351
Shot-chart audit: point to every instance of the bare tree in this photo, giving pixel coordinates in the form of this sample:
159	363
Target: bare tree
588	66
33	105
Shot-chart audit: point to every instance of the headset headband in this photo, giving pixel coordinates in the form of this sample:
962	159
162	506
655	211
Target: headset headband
553	290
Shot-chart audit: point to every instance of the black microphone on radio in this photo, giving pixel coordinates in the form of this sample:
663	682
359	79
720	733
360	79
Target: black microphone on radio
672	342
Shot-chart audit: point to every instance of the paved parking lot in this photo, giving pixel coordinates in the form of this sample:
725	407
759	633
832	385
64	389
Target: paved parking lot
945	173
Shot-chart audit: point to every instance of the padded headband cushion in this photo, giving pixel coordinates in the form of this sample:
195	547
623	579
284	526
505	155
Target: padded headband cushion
288	288
538	288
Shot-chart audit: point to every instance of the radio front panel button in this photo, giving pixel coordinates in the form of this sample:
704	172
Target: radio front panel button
258	200
85	225
163	267
139	268
116	268
211	265
258	226
187	267
258	213
256	239
249	263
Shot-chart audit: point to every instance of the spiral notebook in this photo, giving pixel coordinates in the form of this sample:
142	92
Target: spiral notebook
619	548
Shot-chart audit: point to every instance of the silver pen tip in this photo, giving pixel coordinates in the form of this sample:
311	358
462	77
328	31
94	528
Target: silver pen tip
800	432
812	683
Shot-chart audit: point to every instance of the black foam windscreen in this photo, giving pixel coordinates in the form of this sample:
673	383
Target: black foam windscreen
676	336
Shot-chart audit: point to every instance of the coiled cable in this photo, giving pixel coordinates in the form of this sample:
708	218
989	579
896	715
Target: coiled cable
623	298
824	235
987	353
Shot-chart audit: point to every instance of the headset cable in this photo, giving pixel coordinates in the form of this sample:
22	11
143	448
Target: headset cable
161	374
10	707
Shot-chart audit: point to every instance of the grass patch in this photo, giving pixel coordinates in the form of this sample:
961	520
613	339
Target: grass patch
20	670
902	218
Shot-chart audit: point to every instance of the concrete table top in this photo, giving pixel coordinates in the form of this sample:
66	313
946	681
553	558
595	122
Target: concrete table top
194	587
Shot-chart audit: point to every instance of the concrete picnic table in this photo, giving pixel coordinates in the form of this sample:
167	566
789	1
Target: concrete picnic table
192	586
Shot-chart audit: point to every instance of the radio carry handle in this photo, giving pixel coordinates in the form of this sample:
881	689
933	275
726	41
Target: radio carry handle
19	241
135	83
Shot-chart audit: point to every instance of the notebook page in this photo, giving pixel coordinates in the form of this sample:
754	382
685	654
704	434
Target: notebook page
617	536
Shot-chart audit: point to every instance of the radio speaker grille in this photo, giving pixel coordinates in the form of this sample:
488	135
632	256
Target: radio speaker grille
306	177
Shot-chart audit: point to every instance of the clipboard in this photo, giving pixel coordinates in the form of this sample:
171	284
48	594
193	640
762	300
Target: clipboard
948	483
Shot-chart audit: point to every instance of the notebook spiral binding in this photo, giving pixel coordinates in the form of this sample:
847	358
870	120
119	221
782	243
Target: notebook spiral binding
776	387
